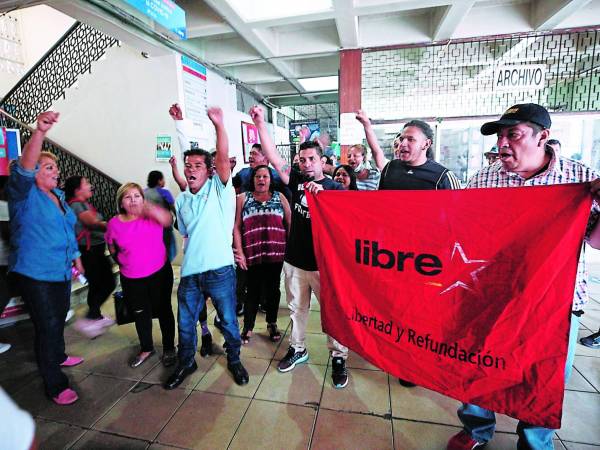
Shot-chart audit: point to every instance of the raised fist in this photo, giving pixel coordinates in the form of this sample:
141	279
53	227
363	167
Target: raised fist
362	117
215	114
175	112
257	114
46	119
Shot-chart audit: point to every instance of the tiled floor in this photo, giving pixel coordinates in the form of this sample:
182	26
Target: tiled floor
123	408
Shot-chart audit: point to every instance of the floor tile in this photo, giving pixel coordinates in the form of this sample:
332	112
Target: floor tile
160	373
577	382
96	396
162	447
301	386
316	344
581	416
116	364
589	369
143	412
367	392
578	446
49	434
205	421
274	425
15	377
101	441
418	403
337	430
219	380
355	361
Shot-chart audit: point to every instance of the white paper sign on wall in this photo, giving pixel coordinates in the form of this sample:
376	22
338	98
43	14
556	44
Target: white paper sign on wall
519	77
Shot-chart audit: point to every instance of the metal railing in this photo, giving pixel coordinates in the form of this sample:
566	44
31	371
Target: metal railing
46	82
105	187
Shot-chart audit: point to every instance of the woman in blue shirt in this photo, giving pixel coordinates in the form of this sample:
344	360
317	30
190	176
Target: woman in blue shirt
43	250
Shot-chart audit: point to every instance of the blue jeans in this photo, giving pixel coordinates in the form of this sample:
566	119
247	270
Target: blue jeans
48	303
219	285
480	423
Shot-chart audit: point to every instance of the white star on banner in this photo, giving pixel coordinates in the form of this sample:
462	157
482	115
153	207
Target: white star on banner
459	283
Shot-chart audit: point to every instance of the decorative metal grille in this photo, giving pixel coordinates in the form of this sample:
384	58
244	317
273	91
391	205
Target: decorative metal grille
456	79
105	187
47	81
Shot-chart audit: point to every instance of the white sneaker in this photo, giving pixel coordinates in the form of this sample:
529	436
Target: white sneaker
70	315
4	347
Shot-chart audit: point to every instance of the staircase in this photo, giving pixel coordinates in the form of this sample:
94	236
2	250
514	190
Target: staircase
46	82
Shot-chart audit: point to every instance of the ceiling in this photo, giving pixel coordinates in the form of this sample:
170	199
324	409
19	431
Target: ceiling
269	45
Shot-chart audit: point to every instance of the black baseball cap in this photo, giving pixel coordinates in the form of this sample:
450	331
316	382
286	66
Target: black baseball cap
526	112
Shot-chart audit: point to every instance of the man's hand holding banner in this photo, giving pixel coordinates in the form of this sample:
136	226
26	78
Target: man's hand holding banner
467	293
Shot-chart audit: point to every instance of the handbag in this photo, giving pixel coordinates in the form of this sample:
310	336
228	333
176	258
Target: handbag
123	313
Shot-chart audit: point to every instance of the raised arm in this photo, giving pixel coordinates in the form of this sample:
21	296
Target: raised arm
222	166
33	148
160	215
380	159
287	213
176	175
268	148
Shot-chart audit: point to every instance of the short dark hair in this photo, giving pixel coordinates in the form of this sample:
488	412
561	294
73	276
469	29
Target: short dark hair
257	146
71	185
350	171
208	159
423	126
154	178
311	144
553	142
251	186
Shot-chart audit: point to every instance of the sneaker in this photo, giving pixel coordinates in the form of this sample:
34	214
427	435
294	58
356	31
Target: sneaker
291	358
106	322
339	373
70	314
406	383
66	397
4	347
463	441
591	341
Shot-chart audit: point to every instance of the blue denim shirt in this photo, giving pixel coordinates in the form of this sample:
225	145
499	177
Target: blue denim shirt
42	243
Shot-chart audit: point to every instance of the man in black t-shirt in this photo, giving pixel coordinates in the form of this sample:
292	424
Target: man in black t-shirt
412	170
300	266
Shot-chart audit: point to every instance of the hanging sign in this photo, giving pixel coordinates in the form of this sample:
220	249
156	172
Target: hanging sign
519	77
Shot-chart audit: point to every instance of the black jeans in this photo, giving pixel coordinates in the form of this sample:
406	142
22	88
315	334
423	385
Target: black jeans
151	296
241	286
99	274
262	279
4	290
48	303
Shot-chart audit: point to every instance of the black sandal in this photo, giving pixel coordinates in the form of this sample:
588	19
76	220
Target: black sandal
246	335
274	333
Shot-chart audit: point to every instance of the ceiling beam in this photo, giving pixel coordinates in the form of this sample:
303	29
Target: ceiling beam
346	22
548	14
263	41
292	20
370	7
450	18
209	30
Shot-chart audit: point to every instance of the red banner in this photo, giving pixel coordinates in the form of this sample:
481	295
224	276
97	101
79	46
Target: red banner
467	293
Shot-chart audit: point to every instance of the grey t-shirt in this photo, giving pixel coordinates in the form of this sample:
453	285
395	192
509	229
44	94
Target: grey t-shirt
96	236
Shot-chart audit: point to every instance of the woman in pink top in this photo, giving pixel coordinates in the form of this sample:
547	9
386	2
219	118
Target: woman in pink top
135	239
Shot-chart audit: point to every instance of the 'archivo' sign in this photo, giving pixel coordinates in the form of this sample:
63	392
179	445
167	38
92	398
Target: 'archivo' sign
519	77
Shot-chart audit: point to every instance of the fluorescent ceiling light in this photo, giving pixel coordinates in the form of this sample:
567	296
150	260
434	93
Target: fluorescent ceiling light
319	83
254	10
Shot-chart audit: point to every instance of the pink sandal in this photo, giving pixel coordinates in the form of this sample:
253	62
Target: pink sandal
66	397
71	361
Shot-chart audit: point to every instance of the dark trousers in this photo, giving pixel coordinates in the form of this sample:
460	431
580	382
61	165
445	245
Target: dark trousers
4	291
151	296
99	274
48	303
263	283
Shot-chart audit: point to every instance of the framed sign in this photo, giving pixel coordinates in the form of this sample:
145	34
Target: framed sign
249	138
163	147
